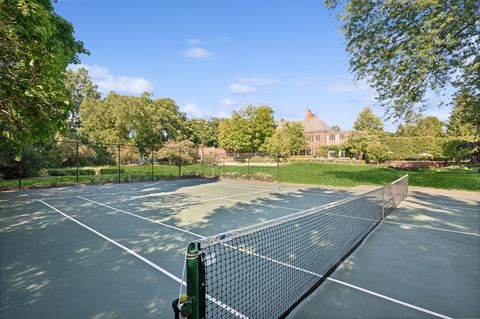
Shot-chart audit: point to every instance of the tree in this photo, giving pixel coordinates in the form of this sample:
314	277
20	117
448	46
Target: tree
130	119
421	126
287	139
178	153
247	129
36	45
367	120
465	117
80	88
202	132
407	48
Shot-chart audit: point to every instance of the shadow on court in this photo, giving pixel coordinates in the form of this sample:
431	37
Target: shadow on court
53	267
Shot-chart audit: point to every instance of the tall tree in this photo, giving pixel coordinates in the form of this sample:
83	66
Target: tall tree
36	45
405	49
202	132
80	88
421	126
287	139
130	119
465	117
367	120
247	129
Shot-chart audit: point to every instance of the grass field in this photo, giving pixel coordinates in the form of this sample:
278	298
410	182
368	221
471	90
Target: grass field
335	174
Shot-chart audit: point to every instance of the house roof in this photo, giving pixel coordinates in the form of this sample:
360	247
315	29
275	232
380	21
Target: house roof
314	124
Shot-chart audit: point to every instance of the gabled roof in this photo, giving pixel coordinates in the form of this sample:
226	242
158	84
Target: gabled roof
313	124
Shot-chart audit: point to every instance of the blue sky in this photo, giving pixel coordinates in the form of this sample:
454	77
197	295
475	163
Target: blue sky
216	56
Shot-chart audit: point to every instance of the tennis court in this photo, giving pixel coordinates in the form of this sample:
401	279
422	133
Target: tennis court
118	251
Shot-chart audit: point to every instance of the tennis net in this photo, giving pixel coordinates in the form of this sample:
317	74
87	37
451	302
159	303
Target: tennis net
265	270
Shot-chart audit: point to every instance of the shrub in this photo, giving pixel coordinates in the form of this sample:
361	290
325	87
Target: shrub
70	171
107	171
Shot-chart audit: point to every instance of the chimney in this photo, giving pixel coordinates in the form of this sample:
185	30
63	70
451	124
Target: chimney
308	114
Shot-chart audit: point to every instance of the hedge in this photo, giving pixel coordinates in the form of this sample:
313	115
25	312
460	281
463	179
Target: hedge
70	171
106	171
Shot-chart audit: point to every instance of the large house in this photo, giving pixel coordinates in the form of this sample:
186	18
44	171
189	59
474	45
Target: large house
321	134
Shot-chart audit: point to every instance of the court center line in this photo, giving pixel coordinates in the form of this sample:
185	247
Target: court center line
287	265
145	260
367	219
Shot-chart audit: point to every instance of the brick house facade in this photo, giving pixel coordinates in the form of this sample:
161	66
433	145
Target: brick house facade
320	133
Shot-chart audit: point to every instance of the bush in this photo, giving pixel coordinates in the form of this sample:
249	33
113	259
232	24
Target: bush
70	171
107	171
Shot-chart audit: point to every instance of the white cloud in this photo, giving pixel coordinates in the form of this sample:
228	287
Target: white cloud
227	102
241	88
259	81
192	109
197	53
194	41
107	82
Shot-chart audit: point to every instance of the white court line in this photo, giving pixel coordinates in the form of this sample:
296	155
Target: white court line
284	188
367	219
145	260
437	202
290	266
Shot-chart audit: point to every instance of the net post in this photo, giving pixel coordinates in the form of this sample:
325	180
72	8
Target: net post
195	281
20	170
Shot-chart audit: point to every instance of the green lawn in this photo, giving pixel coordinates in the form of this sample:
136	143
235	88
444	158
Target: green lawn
335	174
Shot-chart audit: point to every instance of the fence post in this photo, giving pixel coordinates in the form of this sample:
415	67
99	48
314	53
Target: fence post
203	169
383	203
118	170
223	165
78	163
180	163
20	171
278	169
152	164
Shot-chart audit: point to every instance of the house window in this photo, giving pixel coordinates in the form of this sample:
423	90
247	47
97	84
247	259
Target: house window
317	138
342	137
331	137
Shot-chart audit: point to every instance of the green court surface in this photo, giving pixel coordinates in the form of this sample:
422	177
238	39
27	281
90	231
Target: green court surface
117	251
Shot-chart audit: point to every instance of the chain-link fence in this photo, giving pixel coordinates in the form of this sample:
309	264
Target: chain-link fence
75	162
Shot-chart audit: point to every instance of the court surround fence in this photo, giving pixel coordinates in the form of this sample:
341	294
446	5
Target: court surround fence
77	162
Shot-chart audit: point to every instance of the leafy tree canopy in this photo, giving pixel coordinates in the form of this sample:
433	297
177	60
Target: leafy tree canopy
421	126
36	45
130	119
202	132
465	117
247	129
80	88
367	120
287	139
405	49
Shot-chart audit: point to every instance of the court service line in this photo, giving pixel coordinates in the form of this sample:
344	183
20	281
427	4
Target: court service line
145	260
367	219
307	191
287	265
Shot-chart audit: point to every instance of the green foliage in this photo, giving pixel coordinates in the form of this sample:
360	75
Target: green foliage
110	170
80	88
465	117
202	132
367	120
358	143
287	139
36	45
421	126
247	129
128	119
70	171
178	153
406	48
